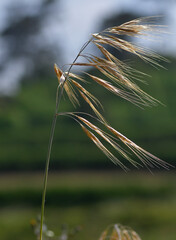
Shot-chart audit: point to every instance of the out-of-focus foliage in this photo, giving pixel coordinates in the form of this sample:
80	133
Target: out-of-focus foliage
24	43
145	202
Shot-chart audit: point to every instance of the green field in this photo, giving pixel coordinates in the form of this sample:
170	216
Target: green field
92	200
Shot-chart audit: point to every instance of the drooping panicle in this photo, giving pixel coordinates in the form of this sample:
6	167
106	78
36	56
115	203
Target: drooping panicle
120	79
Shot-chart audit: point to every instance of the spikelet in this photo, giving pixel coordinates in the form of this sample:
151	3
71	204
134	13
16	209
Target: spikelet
87	93
66	84
146	158
121	82
92	106
127	46
112	138
135	99
57	71
99	144
139	26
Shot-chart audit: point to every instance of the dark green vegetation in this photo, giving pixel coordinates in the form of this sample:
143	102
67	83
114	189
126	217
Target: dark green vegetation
92	200
26	118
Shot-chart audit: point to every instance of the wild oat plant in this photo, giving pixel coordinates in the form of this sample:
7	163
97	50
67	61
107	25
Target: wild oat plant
121	82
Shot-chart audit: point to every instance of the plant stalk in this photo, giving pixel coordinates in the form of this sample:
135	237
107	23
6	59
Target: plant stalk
58	99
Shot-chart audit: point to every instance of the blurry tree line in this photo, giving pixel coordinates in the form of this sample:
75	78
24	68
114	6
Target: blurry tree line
24	43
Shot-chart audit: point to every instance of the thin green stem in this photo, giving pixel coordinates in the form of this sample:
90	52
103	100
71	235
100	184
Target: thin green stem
58	99
82	49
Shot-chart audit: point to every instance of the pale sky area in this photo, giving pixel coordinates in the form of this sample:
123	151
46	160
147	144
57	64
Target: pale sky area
71	24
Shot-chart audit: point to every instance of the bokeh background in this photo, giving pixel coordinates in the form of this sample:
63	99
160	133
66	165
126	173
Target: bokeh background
85	189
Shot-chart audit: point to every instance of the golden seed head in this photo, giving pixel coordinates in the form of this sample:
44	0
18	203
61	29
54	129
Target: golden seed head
121	82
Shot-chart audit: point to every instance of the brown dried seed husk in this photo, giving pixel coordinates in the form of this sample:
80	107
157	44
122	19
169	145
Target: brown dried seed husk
92	106
93	98
71	94
100	145
109	140
148	159
57	71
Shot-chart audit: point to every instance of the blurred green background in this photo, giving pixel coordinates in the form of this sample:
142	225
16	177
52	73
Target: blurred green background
26	118
90	200
85	189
